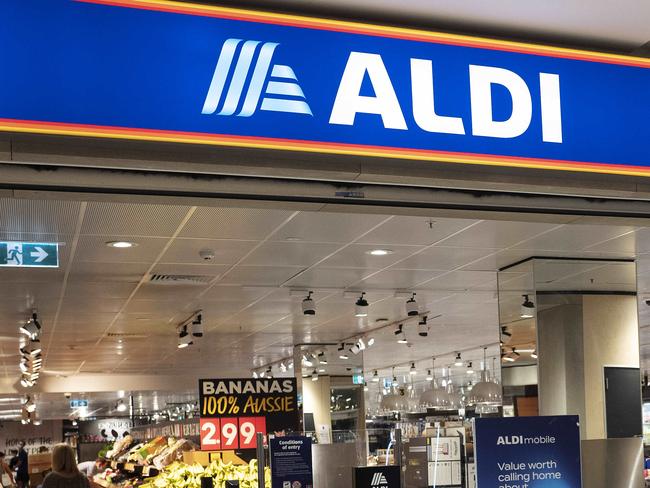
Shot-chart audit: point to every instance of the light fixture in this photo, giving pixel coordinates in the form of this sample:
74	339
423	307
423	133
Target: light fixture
314	376
197	326
429	375
361	306
74	423
255	375
395	383
308	305
361	343
32	328
434	397
342	354
355	349
401	337
375	377
365	386
487	391
423	328
380	252
470	370
184	339
121	406
527	308
504	331
371	341
322	359
412	306
283	367
413	371
459	360
121	244
306	361
534	354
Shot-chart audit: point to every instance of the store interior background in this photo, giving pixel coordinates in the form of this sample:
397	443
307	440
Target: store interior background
111	316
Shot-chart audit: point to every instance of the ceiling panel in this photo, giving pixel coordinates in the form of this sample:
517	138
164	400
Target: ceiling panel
56	217
285	253
322	277
401	279
444	258
225	251
260	275
493	234
328	227
358	256
233	223
422	231
573	237
94	248
130	220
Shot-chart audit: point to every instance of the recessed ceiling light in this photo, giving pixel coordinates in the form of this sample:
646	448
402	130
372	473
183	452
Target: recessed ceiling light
121	244
379	252
293	239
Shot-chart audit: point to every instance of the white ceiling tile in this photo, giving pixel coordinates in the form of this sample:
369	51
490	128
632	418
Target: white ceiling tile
283	253
260	275
414	231
493	234
94	248
573	237
58	217
443	258
399	279
329	277
328	227
357	256
187	251
129	220
233	223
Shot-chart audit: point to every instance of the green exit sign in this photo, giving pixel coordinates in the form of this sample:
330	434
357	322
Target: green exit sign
29	254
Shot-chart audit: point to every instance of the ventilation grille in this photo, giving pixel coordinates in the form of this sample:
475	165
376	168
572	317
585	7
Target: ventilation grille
176	279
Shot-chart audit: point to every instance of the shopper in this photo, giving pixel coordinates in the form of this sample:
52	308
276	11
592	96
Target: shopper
91	468
13	461
65	473
22	469
4	469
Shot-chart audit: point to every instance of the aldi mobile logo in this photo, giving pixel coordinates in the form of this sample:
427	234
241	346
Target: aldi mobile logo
282	93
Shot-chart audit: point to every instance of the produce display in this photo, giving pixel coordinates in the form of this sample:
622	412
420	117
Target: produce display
158	452
180	475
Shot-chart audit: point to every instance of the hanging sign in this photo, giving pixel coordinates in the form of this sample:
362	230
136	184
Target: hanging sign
291	462
233	411
171	71
528	452
29	254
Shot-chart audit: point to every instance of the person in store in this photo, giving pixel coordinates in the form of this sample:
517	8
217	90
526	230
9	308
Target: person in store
22	467
65	473
91	468
6	470
13	461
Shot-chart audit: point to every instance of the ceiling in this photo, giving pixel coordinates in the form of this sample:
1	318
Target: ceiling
102	316
603	24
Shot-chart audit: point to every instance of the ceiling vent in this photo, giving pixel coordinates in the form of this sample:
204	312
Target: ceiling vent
177	279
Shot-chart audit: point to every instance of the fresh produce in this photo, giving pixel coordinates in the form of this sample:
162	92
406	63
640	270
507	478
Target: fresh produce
180	475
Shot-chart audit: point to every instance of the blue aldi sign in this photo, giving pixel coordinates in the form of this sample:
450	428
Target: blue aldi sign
173	71
29	254
528	452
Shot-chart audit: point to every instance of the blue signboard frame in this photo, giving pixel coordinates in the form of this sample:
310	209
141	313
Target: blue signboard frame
528	452
166	71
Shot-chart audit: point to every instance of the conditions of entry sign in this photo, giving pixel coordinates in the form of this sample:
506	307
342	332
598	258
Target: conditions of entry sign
29	254
528	452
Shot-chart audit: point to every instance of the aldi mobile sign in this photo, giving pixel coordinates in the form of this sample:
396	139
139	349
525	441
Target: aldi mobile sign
233	411
169	71
528	452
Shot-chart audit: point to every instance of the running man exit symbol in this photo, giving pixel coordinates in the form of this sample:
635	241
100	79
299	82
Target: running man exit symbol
29	254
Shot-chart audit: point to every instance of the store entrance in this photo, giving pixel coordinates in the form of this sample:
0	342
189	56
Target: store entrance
390	323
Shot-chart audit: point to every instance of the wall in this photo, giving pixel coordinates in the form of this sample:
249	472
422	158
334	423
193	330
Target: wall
47	434
561	372
316	400
611	338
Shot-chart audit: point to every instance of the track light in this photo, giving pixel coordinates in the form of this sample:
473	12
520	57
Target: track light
314	376
504	331
412	307
423	328
429	375
355	349
255	375
184	339
342	354
361	343
459	361
283	367
401	337
121	406
527	308
413	371
197	326
32	328
321	358
306	361
470	370
534	354
361	306
308	305
371	342
375	377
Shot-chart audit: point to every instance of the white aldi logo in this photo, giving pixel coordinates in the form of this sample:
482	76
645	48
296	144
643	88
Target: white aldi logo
379	480
240	78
